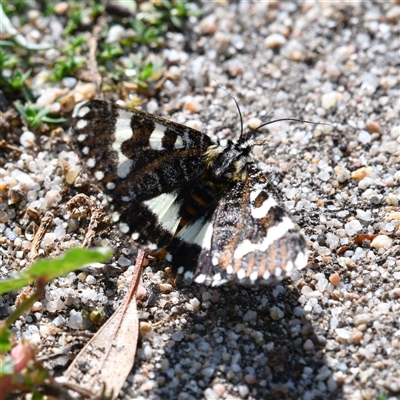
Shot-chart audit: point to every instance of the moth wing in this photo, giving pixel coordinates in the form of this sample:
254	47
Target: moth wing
250	238
143	161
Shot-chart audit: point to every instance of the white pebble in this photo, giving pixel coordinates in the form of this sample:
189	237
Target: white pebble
343	333
329	100
243	391
51	306
76	321
147	351
91	280
322	284
370	83
26	182
364	215
275	40
59	321
152	106
353	227
46	99
194	124
69	82
27	139
324	176
395	132
254	123
364	137
382	241
115	34
384	308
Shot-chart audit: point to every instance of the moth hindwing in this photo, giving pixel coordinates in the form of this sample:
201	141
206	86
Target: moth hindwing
217	217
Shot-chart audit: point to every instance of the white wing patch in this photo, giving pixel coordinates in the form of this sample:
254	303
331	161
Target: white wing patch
157	136
166	210
274	234
200	233
261	212
123	132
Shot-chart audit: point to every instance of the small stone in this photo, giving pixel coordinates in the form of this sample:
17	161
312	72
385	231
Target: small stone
61	8
342	174
357	336
165	287
382	241
276	313
334	278
343	333
208	25
364	318
219	389
243	391
250	316
306	290
115	34
353	227
46	99
27	139
141	292
361	173
152	107
329	100
76	321
208	372
373	127
275	40
364	137
393	201
395	293
123	261
177	336
250	379
145	328
37	306
254	123
308	345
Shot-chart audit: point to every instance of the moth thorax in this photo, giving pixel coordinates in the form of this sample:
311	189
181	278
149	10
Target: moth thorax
228	163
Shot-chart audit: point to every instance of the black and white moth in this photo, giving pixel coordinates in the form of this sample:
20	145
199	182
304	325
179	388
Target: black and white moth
215	214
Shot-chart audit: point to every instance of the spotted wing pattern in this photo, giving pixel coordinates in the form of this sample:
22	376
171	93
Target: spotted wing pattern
144	162
249	238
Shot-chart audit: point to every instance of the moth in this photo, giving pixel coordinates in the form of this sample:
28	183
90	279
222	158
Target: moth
215	215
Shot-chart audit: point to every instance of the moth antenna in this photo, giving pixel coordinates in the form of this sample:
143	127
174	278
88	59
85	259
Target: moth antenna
238	108
252	132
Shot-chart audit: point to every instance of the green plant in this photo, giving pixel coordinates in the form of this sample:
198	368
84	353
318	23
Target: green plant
145	34
65	68
177	12
19	370
7	60
110	52
16	80
140	72
74	21
34	116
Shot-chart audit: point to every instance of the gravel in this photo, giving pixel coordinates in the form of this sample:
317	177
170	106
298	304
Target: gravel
332	333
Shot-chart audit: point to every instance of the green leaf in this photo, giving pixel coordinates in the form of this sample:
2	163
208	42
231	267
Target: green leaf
5	344
50	269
